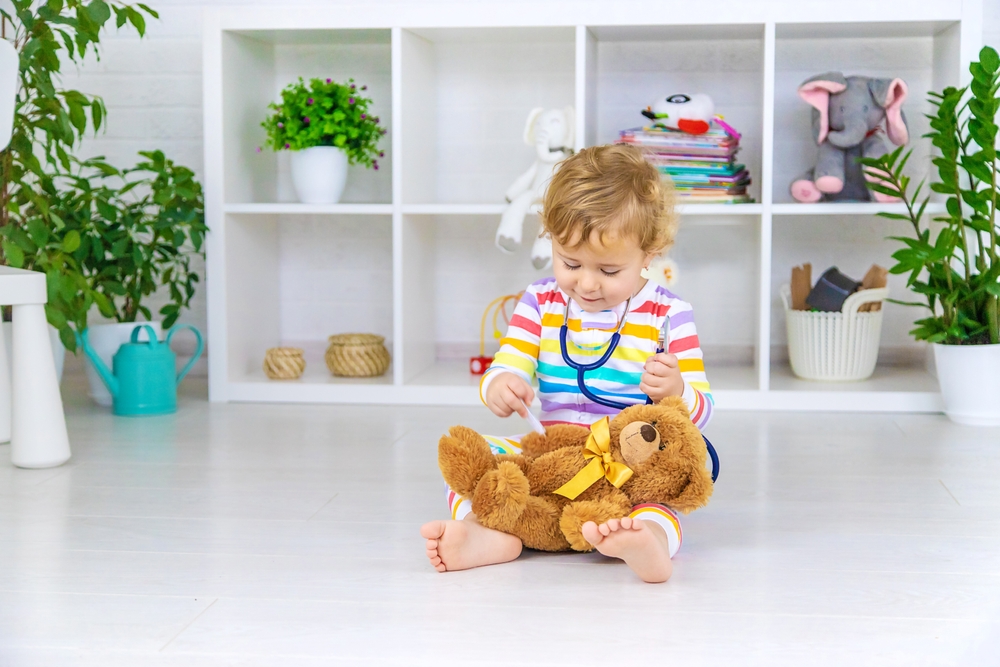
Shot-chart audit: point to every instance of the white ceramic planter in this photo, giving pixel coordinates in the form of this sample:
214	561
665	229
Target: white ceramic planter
969	376
106	339
58	356
319	174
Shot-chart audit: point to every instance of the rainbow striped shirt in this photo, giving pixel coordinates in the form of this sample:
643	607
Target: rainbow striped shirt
531	349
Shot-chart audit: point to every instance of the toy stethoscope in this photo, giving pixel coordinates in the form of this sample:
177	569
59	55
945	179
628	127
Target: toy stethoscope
581	369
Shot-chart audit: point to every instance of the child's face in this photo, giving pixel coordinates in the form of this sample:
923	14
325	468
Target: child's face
600	275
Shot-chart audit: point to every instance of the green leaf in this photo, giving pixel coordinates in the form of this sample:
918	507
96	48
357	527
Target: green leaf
989	59
149	11
883	189
71	241
104	304
55	316
136	19
38	231
99	12
97	114
13	254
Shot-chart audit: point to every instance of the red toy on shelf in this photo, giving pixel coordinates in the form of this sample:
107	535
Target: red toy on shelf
498	306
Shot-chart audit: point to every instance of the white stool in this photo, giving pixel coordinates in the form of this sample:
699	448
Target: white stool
38	437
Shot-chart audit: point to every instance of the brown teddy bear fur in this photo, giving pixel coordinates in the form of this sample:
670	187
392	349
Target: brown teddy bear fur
513	493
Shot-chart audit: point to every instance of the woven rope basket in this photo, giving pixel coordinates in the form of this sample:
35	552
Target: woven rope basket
357	355
284	363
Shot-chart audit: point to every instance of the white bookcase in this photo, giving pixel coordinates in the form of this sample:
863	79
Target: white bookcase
409	253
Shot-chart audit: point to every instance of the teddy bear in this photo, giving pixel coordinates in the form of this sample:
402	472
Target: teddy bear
571	474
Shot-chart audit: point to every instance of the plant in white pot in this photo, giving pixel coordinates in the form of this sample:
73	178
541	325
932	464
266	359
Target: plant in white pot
326	125
139	230
953	265
36	231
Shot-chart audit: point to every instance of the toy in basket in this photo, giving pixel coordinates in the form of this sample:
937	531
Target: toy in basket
834	346
498	306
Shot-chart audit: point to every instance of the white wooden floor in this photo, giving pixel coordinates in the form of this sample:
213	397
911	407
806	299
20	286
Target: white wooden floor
287	535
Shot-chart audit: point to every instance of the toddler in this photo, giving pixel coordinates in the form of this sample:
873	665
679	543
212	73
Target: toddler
608	215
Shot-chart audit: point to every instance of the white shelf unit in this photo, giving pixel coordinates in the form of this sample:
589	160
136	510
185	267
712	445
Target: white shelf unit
409	252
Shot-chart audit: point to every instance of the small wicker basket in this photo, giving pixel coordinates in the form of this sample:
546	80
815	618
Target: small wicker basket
835	347
357	355
284	363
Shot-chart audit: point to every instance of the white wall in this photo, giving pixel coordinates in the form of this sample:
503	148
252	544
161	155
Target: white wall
152	88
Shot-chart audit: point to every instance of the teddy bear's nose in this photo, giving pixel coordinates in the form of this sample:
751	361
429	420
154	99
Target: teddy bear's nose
648	433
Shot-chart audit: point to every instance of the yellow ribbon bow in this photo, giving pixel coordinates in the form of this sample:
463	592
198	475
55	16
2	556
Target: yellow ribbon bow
598	450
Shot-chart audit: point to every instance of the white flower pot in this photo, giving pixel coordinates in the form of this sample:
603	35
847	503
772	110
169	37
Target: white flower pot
319	174
969	376
6	333
106	339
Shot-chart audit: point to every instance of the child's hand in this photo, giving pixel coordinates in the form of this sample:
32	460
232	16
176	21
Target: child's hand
505	394
661	377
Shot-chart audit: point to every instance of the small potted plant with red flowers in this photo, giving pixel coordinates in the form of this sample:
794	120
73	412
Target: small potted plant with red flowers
326	125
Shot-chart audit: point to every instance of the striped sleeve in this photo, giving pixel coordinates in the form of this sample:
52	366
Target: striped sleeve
685	346
518	352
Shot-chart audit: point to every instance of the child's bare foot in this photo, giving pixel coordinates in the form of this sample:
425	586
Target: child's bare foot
643	546
459	545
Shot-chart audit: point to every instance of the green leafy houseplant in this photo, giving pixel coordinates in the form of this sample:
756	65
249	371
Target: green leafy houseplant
102	236
953	265
325	113
130	240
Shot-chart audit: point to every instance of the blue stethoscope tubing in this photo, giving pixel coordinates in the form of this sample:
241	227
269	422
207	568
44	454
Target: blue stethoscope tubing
581	382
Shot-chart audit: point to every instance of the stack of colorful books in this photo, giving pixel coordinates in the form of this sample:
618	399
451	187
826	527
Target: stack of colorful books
703	167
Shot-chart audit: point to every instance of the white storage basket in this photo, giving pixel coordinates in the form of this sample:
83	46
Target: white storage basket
835	346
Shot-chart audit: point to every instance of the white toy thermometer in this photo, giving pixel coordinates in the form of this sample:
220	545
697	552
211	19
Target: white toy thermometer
536	425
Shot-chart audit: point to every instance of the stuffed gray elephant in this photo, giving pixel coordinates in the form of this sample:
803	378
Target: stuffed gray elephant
847	119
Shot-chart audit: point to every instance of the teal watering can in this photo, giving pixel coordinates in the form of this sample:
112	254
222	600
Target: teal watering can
144	381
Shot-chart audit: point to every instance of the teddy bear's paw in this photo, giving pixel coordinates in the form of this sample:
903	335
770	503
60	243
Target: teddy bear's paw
580	512
533	444
501	496
464	457
556	437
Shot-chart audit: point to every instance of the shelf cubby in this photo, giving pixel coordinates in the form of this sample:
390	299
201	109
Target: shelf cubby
257	65
295	280
628	67
466	94
921	53
852	243
450	272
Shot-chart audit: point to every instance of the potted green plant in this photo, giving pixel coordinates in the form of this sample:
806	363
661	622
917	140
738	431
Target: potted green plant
133	233
48	122
951	262
326	125
102	236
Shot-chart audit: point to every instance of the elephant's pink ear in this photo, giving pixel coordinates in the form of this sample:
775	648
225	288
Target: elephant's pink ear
895	126
817	93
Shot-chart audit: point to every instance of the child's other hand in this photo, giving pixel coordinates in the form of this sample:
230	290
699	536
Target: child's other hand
505	393
661	377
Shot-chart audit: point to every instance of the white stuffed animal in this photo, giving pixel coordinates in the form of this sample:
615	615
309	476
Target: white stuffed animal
662	271
688	113
551	134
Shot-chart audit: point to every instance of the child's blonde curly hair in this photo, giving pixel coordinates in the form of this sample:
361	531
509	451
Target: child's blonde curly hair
611	191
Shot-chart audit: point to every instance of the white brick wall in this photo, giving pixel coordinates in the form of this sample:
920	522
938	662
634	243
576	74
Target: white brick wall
152	88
